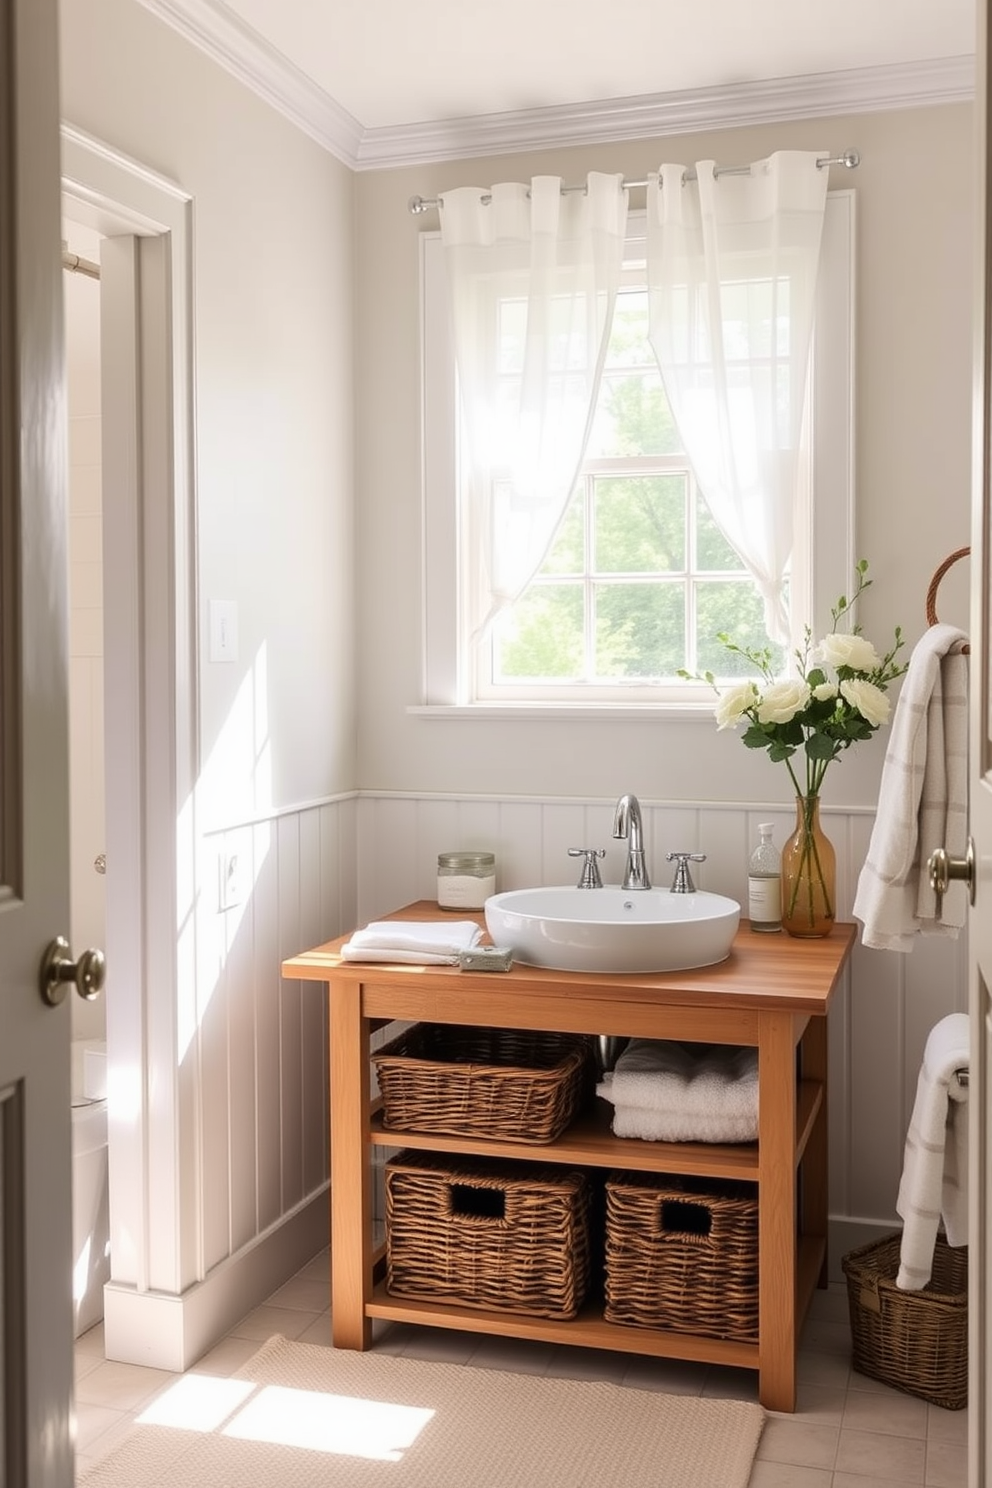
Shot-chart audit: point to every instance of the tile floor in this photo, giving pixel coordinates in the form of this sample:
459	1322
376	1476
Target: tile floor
848	1431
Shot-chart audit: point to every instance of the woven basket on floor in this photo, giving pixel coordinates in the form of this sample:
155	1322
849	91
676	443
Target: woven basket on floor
486	1082
914	1341
682	1254
511	1237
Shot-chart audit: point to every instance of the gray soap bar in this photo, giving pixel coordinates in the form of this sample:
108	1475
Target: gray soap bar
486	958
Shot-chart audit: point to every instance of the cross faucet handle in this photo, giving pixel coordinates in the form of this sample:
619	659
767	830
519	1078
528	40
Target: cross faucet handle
682	882
590	877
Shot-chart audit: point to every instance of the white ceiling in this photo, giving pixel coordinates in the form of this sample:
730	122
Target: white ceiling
386	71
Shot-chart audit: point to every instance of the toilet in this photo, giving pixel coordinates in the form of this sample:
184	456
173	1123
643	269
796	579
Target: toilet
90	1183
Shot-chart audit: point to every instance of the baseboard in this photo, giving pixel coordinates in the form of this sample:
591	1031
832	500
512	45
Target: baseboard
844	1235
165	1331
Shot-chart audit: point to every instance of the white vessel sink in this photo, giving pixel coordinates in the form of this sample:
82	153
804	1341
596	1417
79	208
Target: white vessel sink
613	929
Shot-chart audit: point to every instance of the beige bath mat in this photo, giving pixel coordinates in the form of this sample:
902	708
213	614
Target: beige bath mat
302	1416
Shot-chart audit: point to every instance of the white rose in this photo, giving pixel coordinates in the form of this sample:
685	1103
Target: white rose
867	699
782	701
730	709
825	691
852	651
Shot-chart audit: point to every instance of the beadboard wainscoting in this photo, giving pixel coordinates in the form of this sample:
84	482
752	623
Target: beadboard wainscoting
219	1175
263	1040
877	1027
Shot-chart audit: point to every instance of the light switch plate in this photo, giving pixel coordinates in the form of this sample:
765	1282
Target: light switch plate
223	615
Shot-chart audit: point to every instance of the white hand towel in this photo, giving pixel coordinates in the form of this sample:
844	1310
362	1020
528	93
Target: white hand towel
658	1126
922	801
934	1182
412	942
670	1092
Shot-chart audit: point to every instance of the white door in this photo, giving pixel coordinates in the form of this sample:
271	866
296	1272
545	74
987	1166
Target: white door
980	921
35	1211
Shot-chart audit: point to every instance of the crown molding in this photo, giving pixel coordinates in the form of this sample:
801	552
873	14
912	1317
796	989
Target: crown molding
217	31
861	90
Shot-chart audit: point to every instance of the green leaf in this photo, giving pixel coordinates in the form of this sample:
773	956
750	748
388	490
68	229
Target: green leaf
820	747
755	737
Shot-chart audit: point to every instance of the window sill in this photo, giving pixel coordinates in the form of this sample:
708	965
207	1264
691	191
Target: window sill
569	712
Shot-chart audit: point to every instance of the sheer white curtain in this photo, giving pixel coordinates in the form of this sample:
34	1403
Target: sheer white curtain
732	267
533	273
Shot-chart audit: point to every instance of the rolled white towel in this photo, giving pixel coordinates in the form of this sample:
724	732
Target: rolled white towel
412	942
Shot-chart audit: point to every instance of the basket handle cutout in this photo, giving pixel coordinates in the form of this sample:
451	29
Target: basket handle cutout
679	1216
470	1202
868	1297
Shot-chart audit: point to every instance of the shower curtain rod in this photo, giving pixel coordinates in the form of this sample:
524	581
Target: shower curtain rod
851	159
77	265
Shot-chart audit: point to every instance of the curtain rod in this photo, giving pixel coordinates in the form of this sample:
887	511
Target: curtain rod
851	159
77	265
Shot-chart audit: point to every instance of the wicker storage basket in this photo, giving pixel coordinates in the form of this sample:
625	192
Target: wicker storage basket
914	1341
682	1254
510	1237
483	1082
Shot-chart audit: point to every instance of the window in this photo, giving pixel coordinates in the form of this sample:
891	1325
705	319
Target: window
638	580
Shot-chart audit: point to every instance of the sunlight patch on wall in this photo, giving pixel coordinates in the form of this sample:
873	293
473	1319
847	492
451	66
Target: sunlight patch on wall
234	786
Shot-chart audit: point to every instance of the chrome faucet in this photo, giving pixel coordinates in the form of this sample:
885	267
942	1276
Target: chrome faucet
627	823
682	882
590	877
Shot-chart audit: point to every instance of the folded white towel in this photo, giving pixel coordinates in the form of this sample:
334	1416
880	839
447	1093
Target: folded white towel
922	800
412	942
934	1181
670	1092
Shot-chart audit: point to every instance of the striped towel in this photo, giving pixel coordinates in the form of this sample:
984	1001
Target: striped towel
934	1182
922	801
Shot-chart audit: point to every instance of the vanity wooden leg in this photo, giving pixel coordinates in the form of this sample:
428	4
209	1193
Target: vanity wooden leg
813	1207
351	1182
777	1211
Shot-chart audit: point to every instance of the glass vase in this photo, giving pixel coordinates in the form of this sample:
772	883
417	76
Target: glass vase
809	874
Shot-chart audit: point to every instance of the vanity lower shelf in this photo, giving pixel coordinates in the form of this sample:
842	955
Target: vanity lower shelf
589	1142
589	1329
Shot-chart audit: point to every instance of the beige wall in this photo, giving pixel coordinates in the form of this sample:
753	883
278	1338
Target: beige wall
913	406
272	282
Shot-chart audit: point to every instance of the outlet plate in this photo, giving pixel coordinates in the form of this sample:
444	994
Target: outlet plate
231	875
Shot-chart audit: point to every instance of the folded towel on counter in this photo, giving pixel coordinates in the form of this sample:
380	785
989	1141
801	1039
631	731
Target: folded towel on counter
922	800
670	1092
934	1183
412	942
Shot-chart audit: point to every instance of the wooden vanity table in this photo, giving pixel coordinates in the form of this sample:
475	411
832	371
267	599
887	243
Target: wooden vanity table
772	993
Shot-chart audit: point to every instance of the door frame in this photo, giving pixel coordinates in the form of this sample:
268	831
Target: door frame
151	723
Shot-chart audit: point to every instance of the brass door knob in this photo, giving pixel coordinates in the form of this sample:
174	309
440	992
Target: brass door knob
58	969
944	870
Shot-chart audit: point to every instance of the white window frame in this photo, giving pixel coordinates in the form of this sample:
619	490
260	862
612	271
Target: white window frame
824	555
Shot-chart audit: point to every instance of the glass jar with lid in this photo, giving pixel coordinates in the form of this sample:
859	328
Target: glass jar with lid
465	880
